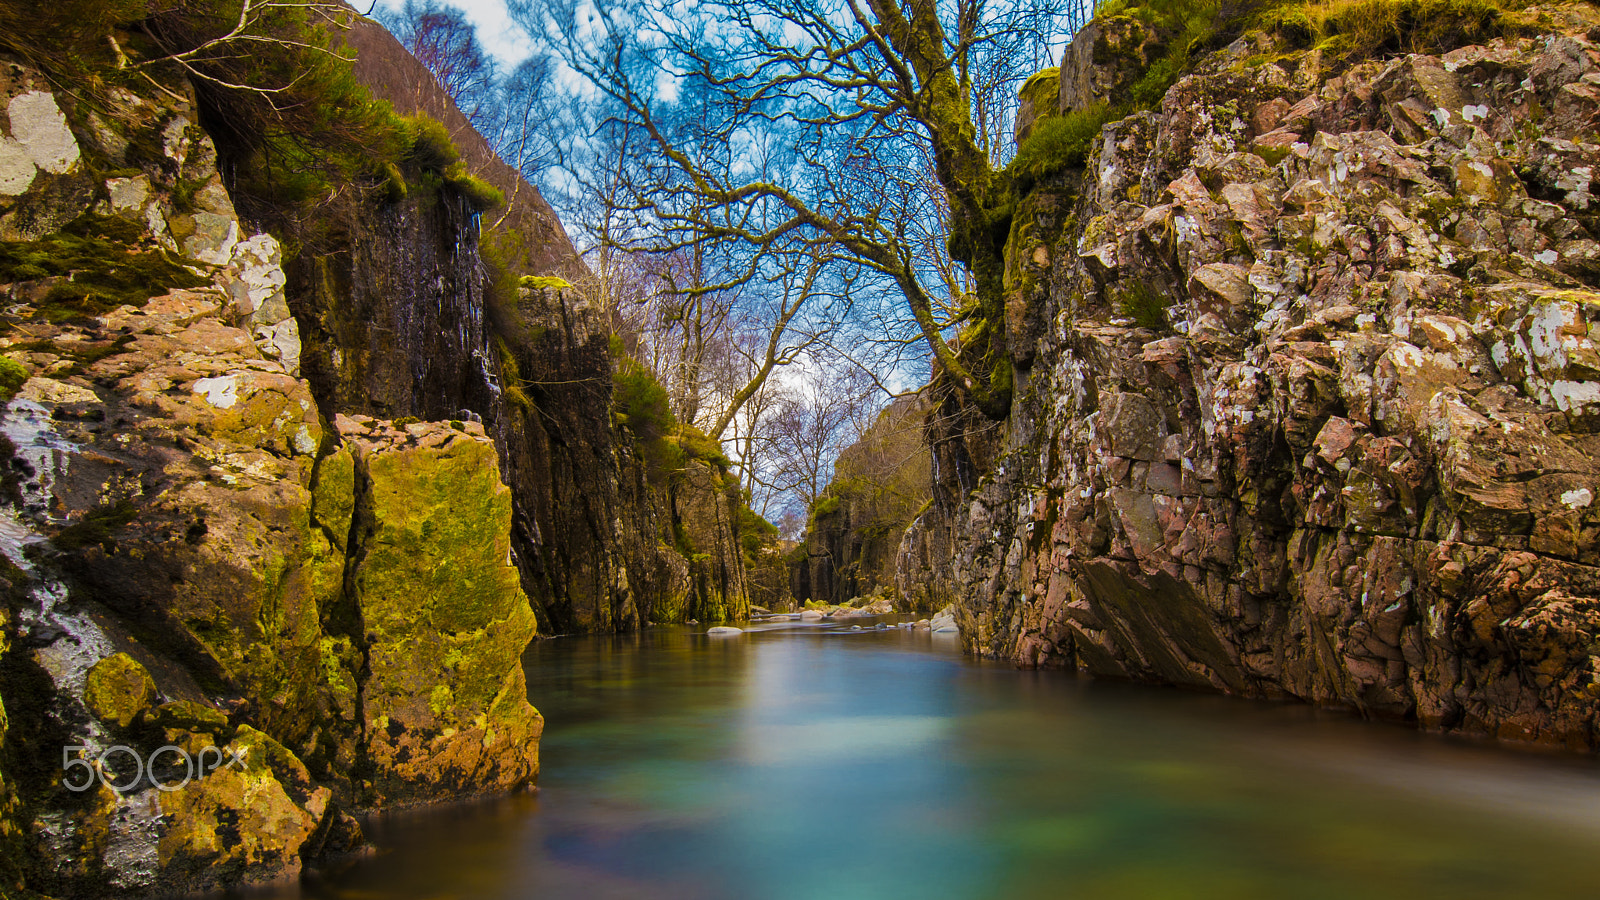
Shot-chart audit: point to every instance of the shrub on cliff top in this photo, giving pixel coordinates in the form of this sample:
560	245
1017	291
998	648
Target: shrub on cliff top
431	146
755	533
640	402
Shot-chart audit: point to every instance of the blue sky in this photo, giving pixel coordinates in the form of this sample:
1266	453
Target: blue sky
496	32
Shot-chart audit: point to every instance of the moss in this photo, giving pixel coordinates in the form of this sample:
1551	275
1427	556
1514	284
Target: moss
103	263
1272	155
480	194
333	495
97	526
1043	90
696	445
1058	144
394	183
511	376
1146	306
12	376
552	283
755	533
188	715
639	402
827	506
430	142
441	606
1363	29
117	689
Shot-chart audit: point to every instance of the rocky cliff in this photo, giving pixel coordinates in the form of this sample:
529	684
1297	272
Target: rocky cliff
1307	384
289	485
200	558
413	309
880	484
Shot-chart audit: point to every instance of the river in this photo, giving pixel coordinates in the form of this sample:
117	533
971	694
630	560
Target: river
806	761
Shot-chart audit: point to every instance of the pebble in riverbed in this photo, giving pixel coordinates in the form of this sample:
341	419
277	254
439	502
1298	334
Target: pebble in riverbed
724	629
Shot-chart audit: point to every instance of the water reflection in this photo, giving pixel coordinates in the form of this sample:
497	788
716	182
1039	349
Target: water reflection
800	762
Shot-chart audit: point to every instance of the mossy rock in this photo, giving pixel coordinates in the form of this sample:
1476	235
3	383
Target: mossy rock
12	376
118	689
188	715
446	624
102	262
545	283
1043	90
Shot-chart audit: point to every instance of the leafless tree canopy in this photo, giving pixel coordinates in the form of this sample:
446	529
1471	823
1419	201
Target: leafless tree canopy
780	201
866	130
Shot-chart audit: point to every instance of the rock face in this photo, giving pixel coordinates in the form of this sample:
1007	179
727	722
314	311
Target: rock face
853	540
1308	394
444	703
283	619
401	322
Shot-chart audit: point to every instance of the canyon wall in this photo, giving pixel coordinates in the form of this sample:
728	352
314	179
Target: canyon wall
199	558
285	496
880	484
1307	388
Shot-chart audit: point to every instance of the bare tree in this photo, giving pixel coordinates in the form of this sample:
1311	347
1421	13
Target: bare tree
442	39
853	83
816	418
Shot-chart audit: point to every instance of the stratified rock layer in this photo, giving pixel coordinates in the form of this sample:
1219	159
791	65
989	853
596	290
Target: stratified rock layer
1308	394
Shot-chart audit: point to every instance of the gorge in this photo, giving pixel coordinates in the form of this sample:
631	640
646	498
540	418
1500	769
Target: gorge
315	430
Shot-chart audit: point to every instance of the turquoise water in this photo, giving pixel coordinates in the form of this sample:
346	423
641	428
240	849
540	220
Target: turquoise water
806	762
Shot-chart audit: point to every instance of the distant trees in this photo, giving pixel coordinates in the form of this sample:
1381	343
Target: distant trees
441	38
816	419
515	111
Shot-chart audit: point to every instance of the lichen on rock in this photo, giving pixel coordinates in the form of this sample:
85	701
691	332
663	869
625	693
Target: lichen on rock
219	547
444	616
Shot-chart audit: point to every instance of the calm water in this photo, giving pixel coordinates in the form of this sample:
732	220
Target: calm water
802	762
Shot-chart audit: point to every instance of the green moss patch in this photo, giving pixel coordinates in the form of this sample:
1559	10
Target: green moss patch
12	376
1043	90
1057	144
545	283
479	194
1362	29
104	264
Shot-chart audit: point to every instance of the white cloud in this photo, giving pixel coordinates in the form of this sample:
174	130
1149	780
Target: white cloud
502	37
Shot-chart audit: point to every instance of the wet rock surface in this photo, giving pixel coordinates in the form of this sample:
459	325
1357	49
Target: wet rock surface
1307	406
